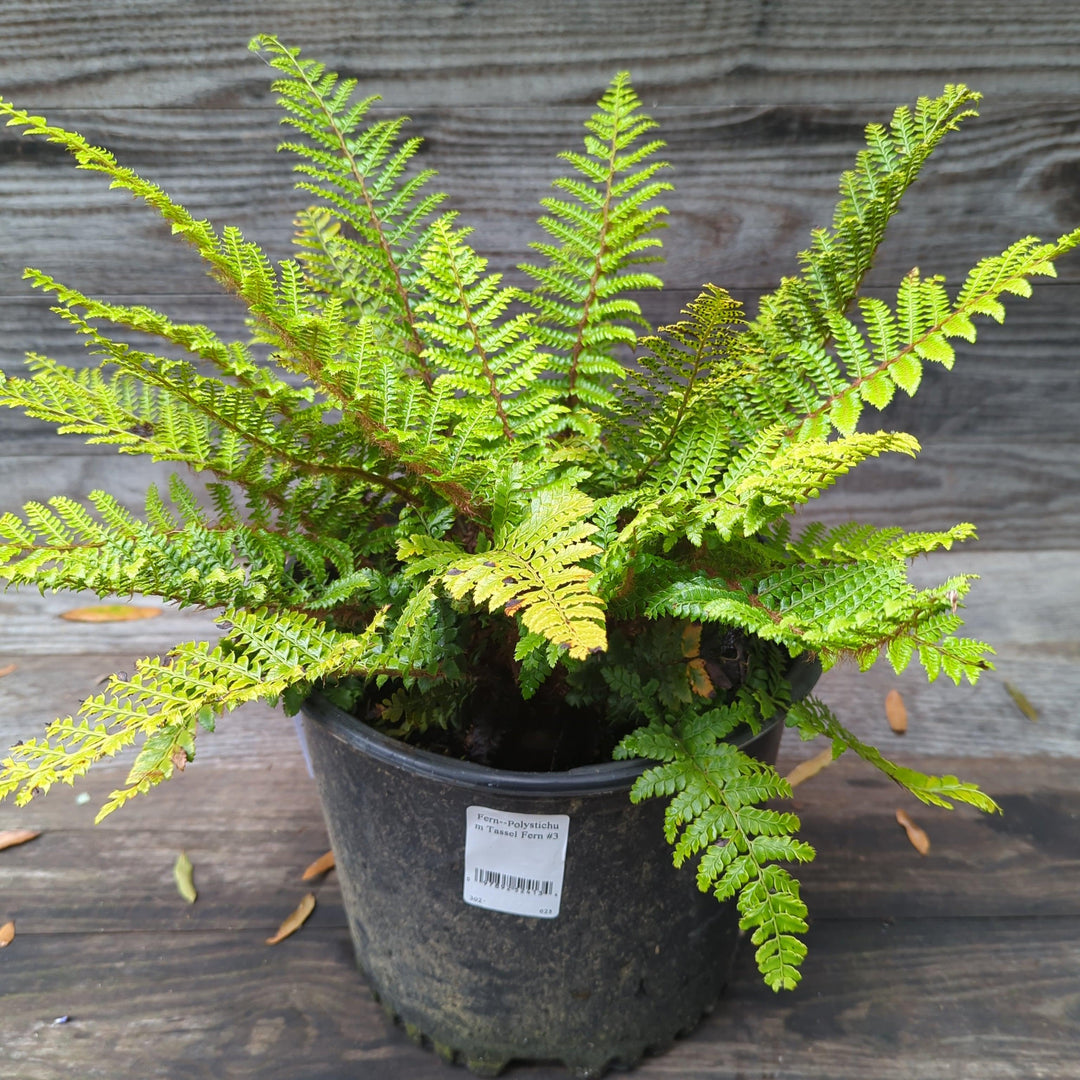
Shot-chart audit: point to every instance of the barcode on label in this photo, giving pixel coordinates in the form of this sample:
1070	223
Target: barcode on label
514	862
513	883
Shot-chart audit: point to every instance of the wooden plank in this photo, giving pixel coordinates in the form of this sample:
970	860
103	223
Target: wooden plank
248	857
1025	604
945	721
1022	496
32	625
751	182
1018	382
53	472
911	1000
135	52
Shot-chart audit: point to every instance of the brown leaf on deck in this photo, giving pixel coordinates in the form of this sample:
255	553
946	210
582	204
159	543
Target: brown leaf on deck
1022	702
323	864
14	837
110	613
7	934
7	669
919	840
184	874
295	920
896	712
811	767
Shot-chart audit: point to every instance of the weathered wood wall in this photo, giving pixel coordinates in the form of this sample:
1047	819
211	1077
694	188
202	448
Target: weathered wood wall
762	102
960	965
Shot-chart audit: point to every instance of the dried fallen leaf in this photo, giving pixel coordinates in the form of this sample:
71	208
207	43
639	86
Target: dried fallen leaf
896	712
691	640
110	613
14	837
184	873
1021	701
7	670
7	934
295	920
321	865
919	840
811	767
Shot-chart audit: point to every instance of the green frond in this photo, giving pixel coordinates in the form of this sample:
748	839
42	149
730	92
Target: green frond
670	387
482	359
838	609
167	698
534	572
795	475
852	541
359	174
714	814
812	718
602	229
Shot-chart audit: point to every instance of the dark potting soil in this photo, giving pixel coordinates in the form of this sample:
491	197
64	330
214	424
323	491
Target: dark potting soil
525	736
546	734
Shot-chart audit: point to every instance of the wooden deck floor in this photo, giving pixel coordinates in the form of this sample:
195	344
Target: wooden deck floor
963	964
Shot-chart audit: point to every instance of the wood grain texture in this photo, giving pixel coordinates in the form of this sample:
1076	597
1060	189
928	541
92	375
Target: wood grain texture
906	953
958	966
136	52
78	878
750	184
1022	496
759	121
913	1000
1019	382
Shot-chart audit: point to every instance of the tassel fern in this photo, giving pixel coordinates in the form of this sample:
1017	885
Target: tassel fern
415	476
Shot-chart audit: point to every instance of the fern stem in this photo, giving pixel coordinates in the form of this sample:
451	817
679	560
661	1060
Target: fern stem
376	224
676	422
972	305
474	330
590	296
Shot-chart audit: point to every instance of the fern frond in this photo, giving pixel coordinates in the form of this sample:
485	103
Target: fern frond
358	174
836	610
851	541
481	358
714	790
532	571
795	475
189	561
164	701
813	717
601	229
682	364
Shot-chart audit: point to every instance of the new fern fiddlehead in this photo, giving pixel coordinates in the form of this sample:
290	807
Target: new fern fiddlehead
414	475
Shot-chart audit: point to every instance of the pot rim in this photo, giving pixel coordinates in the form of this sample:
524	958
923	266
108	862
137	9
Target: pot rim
603	778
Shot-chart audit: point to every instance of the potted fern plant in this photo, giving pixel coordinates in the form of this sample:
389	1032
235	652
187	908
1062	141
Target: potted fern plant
490	537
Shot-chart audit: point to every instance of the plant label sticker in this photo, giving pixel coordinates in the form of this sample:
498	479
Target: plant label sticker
514	862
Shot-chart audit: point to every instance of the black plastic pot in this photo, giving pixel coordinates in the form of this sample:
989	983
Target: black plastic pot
634	956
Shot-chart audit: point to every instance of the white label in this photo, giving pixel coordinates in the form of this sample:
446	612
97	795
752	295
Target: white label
514	862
